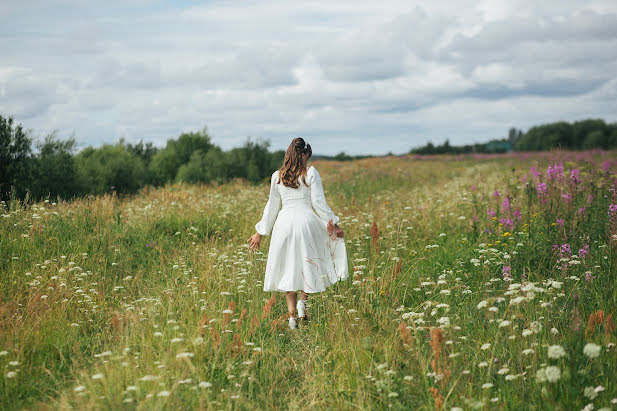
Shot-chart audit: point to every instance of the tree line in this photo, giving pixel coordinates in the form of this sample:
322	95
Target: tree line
51	169
579	135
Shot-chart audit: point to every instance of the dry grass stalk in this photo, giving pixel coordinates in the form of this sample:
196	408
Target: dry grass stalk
254	324
242	315
405	334
595	319
268	307
375	235
439	361
216	338
203	322
438	397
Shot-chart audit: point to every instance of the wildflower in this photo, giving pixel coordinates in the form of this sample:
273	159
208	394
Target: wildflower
3	353
98	376
163	394
590	393
505	273
504	323
487	385
485	346
553	374
542	190
482	304
11	374
184	355
528	351
79	388
556	351
149	378
592	350
205	384
541	375
505	205
483	364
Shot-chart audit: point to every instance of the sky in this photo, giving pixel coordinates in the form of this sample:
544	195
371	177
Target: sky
363	77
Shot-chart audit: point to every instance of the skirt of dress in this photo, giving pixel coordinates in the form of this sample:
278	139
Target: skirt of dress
301	255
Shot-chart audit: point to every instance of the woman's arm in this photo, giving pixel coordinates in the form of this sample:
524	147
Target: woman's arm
318	199
264	227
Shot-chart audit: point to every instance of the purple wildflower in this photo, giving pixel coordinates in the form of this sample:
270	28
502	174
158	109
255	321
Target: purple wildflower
506	273
505	205
575	176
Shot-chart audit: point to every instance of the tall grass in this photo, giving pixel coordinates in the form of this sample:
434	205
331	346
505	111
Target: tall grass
457	297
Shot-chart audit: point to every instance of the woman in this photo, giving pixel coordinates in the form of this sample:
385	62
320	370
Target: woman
306	252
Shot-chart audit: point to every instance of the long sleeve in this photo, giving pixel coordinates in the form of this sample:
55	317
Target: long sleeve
318	200
264	227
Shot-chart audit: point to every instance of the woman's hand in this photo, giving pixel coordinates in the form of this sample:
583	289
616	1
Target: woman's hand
255	242
334	230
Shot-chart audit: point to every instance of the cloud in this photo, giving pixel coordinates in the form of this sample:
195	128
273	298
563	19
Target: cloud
345	74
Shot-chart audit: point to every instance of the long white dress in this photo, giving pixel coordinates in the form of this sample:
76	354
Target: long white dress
302	256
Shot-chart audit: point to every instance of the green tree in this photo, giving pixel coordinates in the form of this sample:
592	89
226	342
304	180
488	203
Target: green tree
109	168
166	162
195	171
55	169
15	159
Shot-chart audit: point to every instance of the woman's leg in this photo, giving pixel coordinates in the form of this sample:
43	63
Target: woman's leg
291	297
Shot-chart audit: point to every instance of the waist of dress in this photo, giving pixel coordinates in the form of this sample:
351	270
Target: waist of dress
297	202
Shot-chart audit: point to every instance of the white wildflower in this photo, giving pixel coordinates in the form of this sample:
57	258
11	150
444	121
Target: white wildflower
592	350
553	374
556	351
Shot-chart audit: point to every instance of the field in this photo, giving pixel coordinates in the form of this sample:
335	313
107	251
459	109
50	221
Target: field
477	282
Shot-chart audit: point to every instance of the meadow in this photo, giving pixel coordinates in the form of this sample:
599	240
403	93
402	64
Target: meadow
476	282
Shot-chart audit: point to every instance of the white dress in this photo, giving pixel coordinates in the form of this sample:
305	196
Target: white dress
302	256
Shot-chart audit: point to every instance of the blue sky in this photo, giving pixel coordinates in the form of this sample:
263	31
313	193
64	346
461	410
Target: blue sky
355	76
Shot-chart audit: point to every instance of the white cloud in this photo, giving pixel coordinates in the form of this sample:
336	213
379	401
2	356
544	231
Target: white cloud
342	74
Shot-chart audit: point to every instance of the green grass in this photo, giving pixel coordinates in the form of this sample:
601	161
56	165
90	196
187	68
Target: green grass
100	293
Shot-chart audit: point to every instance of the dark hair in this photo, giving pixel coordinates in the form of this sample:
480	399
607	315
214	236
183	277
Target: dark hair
294	164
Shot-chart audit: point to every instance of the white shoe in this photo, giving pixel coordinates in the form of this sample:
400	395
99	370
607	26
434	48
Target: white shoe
300	308
293	324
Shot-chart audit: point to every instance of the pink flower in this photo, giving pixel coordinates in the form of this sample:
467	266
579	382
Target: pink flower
554	172
496	193
606	166
566	197
506	273
491	213
542	189
508	222
505	205
575	176
517	214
